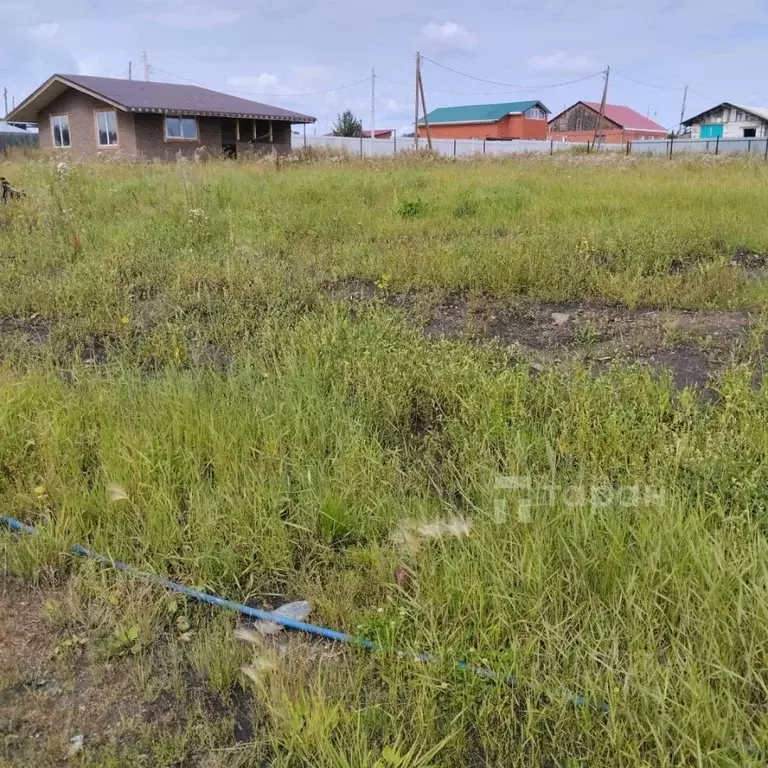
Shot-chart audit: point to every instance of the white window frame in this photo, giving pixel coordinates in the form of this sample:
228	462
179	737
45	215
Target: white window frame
536	113
98	130
181	138
53	119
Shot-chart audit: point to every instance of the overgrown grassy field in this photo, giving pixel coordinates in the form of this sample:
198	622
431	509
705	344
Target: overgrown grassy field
185	387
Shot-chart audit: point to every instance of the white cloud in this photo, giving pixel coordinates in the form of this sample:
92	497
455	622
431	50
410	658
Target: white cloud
193	18
264	83
562	61
302	79
44	31
90	65
447	38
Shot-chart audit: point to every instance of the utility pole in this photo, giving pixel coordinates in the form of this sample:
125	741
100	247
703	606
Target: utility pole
5	99
416	114
373	107
424	107
682	109
130	70
145	65
599	126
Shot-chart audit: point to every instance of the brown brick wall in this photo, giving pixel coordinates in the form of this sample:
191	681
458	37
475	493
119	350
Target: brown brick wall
81	111
151	143
142	135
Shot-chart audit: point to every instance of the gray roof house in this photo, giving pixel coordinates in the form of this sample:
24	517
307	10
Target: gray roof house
90	115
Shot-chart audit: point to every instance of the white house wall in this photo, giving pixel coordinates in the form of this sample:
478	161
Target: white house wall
732	128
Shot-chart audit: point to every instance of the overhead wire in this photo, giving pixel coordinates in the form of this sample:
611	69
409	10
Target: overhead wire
265	93
511	85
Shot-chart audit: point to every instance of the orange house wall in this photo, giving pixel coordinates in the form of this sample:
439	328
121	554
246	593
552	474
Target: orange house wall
509	127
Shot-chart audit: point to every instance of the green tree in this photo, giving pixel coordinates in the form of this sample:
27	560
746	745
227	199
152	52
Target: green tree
347	124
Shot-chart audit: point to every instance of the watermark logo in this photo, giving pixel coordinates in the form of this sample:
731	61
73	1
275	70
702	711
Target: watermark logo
519	495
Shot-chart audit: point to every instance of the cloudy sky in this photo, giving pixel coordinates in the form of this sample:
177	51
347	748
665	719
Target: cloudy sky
301	53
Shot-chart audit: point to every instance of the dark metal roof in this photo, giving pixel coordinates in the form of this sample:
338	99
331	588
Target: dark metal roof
168	98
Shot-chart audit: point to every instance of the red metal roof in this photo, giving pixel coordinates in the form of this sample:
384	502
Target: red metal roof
627	118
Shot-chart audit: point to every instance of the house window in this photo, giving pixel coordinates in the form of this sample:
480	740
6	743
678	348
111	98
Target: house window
60	128
535	113
106	123
750	133
180	128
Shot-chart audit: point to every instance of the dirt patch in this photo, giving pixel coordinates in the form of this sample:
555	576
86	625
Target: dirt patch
34	329
50	699
754	264
692	345
59	701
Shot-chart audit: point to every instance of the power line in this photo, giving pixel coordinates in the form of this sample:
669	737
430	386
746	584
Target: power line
510	85
266	93
660	87
647	85
445	90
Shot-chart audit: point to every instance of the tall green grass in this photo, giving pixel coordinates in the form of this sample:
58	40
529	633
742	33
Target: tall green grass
288	477
198	407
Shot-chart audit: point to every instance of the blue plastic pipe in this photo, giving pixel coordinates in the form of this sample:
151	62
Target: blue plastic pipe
255	613
204	597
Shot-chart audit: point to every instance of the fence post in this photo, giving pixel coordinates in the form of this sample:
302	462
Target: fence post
551	146
717	146
766	151
361	145
587	146
766	144
305	134
454	147
394	135
629	147
671	145
749	146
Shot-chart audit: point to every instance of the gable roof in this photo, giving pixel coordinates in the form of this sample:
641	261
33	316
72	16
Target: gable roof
480	113
625	117
759	112
143	96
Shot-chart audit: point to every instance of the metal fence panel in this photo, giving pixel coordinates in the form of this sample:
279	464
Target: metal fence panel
447	147
9	140
678	146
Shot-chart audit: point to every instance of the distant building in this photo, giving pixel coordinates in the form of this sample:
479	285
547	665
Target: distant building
82	115
17	135
379	133
729	121
511	120
620	124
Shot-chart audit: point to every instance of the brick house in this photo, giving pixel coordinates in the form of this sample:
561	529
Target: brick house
90	115
510	120
620	124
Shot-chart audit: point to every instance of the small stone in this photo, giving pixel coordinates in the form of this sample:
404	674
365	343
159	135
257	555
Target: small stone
560	318
75	745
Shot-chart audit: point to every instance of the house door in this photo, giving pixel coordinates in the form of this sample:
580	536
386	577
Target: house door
712	131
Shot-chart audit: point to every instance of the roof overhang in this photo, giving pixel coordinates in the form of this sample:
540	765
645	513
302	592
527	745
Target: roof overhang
242	115
470	122
691	120
51	89
56	85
